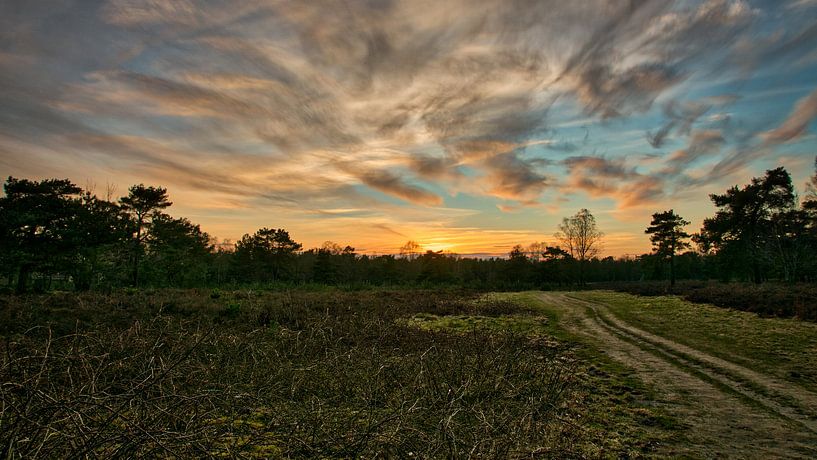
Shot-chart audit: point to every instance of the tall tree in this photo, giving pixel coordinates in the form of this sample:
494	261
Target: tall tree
178	251
581	236
519	268
327	264
37	219
743	226
267	254
100	237
142	203
668	237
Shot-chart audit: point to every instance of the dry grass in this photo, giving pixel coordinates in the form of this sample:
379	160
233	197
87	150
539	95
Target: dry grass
247	374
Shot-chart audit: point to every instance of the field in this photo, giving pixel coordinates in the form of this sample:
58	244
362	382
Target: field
423	374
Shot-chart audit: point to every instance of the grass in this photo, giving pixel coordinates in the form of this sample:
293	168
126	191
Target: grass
784	348
297	374
768	299
616	409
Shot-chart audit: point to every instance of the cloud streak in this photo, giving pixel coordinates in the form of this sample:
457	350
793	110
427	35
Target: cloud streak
363	103
796	124
603	177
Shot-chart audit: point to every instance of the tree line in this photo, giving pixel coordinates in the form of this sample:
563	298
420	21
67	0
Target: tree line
54	234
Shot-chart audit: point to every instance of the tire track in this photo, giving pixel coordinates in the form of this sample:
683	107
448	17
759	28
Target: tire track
730	411
789	401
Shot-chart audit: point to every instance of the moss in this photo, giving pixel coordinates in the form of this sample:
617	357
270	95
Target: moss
466	323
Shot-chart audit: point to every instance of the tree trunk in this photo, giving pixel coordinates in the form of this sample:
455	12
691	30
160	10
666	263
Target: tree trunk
671	271
581	273
137	250
22	278
136	266
756	272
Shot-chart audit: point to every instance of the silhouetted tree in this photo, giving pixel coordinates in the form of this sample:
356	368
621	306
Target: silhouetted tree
51	230
789	242
668	237
38	218
347	263
178	251
581	236
142	203
436	267
555	253
555	266
331	260
221	259
536	250
410	250
519	269
267	254
809	236
742	227
99	234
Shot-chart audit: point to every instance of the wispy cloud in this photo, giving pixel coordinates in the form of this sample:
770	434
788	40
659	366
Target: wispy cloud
394	185
603	177
703	142
324	105
796	124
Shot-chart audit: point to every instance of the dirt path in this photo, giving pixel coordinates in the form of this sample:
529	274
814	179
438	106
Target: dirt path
730	410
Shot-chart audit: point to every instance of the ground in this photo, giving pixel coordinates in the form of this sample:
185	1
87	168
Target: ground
732	403
426	374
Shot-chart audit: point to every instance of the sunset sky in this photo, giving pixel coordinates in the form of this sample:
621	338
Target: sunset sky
468	125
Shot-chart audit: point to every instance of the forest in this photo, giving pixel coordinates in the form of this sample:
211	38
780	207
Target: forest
55	235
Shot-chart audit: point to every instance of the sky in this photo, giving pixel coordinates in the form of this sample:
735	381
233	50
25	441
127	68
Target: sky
468	126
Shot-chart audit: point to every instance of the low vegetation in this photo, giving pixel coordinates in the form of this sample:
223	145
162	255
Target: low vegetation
304	374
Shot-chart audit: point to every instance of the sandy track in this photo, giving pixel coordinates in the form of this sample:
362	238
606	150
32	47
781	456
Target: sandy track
730	410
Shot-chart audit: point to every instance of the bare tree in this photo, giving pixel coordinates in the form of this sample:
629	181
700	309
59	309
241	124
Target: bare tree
110	191
410	250
582	238
332	248
536	251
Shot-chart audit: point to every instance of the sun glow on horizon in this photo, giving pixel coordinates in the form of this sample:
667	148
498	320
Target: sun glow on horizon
436	247
466	126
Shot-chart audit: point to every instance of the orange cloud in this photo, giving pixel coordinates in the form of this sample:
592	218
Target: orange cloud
796	124
602	177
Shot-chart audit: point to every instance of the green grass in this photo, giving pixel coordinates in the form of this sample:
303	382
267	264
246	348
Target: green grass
617	410
785	348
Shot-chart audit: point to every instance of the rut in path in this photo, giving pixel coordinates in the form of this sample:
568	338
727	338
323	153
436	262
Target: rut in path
730	410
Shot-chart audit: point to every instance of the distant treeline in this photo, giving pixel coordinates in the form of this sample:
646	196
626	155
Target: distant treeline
54	235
